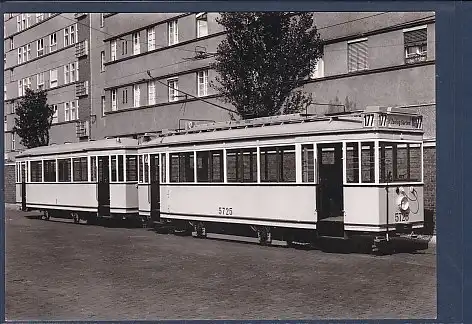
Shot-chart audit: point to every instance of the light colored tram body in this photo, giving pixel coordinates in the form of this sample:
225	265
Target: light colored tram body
340	175
86	180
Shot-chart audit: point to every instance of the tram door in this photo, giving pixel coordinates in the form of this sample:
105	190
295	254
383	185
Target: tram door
154	190
330	183
23	186
103	186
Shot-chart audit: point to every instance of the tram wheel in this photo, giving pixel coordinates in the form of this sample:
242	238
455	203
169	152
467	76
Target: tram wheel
264	234
200	230
76	218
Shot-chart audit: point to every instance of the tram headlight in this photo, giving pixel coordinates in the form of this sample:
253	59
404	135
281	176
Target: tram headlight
403	203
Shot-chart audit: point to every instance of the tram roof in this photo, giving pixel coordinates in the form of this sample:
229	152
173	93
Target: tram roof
105	144
294	124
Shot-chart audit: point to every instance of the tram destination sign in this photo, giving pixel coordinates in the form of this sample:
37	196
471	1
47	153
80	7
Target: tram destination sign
392	120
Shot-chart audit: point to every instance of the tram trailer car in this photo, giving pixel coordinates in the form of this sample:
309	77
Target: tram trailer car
86	180
294	177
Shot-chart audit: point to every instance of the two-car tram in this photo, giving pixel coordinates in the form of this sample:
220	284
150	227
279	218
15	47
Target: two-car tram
294	177
86	180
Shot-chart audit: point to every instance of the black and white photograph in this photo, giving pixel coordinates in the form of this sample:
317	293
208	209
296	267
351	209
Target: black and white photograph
246	165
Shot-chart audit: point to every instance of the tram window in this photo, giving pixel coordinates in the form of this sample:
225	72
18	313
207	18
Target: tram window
400	162
352	162
181	167
367	162
131	168
140	169
80	167
278	164
308	163
50	171
93	168
113	168
146	168
241	165
210	166
163	167
121	174
36	171
64	166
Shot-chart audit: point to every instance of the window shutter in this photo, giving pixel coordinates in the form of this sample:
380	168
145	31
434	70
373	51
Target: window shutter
416	37
357	56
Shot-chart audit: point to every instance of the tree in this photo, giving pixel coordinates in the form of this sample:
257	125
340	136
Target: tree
33	119
264	60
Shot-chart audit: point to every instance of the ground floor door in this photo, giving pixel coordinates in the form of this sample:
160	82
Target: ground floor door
330	190
154	187
23	186
103	189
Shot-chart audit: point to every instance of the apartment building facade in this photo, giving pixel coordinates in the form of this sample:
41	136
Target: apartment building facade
148	72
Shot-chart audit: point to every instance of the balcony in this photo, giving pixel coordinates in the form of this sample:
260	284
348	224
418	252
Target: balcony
81	89
79	15
416	58
82	129
81	49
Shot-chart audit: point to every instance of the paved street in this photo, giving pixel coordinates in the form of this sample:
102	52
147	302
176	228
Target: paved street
59	270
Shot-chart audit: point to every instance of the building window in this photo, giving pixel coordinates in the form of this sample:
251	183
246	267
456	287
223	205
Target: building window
54	117
416	40
173	90
113	100
202	24
74	72
102	61
40	80
318	70
124	47
66	37
39	17
113	50
357	55
12	45
152	93
40	47
66	74
102	20
202	83
103	105
20	57
136	45
173	32
13	142
151	35
4	92
28	53
73	34
5	124
18	23
74	110
136	95
20	88
53	78
66	111
124	97
27	83
53	42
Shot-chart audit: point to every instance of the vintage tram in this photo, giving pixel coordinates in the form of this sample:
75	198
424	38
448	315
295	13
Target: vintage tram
86	180
293	177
